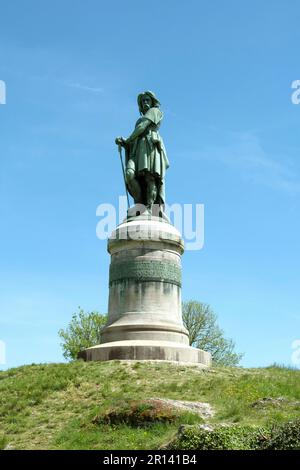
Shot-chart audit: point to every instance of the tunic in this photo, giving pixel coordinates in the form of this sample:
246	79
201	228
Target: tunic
147	152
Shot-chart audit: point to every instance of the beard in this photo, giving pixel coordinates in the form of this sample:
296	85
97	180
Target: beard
146	107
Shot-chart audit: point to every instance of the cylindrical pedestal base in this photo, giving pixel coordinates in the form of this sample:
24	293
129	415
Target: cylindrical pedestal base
144	313
146	351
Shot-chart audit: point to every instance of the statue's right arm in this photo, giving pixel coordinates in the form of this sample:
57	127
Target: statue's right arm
140	128
120	141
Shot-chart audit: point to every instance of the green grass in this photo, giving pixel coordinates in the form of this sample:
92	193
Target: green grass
53	406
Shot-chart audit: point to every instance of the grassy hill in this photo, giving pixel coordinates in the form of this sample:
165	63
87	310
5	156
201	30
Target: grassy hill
113	405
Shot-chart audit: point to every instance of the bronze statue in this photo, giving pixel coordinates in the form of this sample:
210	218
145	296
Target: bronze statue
145	156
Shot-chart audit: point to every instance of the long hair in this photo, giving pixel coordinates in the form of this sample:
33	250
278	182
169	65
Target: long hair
155	101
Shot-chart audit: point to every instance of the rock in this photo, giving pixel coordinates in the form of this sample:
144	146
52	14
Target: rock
203	427
8	447
204	410
271	401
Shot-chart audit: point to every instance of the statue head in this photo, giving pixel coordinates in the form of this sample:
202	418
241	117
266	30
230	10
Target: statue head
147	100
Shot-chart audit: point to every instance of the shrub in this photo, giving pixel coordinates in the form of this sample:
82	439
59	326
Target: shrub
284	437
83	331
138	413
3	441
222	437
205	333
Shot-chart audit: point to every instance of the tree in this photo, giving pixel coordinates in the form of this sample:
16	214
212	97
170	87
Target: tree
83	331
204	332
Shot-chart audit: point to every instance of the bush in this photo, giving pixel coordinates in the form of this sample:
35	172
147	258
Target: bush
138	413
284	437
238	437
3	441
223	437
204	333
83	331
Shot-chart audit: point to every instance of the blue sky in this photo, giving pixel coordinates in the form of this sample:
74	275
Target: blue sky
223	73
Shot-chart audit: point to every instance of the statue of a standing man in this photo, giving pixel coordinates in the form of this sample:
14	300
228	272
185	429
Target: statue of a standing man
146	159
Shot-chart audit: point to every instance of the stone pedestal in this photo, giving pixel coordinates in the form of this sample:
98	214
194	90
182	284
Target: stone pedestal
144	312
